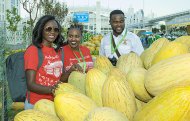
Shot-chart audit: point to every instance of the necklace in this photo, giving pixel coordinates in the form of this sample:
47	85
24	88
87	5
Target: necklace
79	61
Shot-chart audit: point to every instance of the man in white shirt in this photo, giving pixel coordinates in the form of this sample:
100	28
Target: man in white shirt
119	41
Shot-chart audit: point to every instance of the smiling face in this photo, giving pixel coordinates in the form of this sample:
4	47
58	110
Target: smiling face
50	32
74	37
117	23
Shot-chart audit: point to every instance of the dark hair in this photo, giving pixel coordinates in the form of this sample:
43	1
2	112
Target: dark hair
38	32
76	26
116	12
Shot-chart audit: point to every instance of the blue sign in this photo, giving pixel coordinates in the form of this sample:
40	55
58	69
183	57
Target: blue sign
81	17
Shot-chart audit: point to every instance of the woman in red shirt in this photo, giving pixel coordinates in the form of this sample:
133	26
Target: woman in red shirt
42	81
74	52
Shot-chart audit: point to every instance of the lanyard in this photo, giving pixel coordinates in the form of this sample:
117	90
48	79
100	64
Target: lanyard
84	62
112	48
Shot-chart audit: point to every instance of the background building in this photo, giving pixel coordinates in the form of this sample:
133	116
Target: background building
8	5
98	21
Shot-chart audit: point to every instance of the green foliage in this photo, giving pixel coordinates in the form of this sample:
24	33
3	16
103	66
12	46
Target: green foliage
27	34
59	10
86	37
163	28
13	19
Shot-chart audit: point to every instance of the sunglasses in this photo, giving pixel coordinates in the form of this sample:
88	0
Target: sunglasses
49	29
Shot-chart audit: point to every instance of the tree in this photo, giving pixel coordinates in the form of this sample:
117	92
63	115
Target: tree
13	19
55	8
163	28
31	7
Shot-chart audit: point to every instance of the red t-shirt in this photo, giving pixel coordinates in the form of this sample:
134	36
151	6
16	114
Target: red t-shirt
70	59
48	74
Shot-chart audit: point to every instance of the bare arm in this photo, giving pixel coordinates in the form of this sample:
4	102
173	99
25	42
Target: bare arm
65	75
32	86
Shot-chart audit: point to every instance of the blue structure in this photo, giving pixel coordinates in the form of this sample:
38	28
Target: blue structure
81	17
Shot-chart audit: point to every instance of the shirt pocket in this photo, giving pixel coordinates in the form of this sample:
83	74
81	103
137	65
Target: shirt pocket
107	49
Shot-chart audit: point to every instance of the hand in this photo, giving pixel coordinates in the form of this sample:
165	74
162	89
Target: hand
54	87
76	67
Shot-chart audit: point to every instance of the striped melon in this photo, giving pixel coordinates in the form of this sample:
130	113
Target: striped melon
171	105
140	104
149	53
135	77
66	87
170	50
172	72
73	106
105	114
45	105
78	80
103	64
94	83
117	94
185	40
127	61
34	115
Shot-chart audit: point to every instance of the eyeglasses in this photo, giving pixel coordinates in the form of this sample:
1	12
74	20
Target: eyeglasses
49	29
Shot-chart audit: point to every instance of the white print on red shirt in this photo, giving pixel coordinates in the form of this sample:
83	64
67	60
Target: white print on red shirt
54	68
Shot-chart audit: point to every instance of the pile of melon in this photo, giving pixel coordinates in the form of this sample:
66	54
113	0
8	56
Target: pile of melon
152	87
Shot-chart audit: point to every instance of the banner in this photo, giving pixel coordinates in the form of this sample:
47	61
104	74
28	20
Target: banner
81	17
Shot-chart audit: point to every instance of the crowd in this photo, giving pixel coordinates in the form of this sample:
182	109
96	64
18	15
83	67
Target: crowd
61	57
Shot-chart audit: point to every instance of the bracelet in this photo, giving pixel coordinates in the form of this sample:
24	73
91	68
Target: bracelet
52	90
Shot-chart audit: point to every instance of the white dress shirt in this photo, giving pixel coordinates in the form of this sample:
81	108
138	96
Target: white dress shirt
131	42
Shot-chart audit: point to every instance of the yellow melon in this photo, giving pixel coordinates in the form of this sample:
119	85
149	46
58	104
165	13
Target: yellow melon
170	50
185	40
45	105
66	87
105	114
94	83
103	64
117	94
78	80
172	72
140	104
34	115
135	77
171	105
17	106
73	106
149	53
127	61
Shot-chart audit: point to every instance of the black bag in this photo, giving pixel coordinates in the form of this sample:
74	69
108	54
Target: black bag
16	75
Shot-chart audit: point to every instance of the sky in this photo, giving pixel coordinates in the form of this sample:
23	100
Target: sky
158	7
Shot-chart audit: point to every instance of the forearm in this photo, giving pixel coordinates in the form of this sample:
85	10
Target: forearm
40	89
65	76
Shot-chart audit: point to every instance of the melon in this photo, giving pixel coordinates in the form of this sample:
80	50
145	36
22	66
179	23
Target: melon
171	105
34	115
66	87
45	105
78	80
105	114
117	94
94	83
73	106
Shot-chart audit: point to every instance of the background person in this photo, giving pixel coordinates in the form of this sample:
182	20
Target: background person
125	41
76	53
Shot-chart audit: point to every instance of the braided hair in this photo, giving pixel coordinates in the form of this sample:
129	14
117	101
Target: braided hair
76	26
